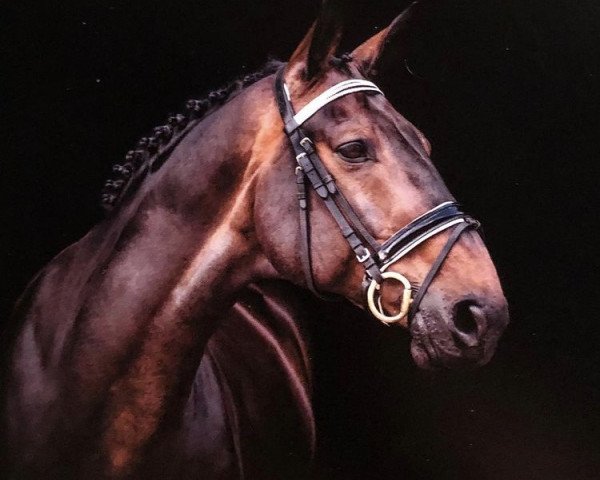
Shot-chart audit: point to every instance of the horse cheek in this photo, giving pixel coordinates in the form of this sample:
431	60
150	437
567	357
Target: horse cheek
276	223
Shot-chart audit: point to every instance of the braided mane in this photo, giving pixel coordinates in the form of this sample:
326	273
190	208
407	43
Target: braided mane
152	151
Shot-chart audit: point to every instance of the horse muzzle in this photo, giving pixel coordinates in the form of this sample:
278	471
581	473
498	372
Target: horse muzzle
462	335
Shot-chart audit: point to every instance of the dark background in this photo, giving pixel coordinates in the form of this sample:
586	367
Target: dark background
509	99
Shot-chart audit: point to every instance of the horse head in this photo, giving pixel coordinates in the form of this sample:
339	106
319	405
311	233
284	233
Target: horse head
377	224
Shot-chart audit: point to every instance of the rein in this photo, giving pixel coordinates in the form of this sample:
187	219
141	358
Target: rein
374	257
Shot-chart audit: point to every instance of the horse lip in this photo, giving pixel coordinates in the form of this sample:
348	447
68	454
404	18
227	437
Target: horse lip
422	348
426	357
422	356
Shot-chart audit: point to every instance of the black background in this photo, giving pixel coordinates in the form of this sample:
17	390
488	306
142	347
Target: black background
509	99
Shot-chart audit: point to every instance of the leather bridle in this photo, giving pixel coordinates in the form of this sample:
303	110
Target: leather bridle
374	257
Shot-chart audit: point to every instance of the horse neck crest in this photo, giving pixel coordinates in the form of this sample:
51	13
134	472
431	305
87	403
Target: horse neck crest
151	152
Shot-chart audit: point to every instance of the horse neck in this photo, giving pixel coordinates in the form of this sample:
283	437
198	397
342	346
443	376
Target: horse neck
206	190
173	258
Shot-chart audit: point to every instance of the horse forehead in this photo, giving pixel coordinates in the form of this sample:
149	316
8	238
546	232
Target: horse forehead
357	106
363	114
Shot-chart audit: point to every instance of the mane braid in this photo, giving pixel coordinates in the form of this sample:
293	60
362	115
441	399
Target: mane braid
151	152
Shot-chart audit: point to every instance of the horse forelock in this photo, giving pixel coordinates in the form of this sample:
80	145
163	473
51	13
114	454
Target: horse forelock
151	152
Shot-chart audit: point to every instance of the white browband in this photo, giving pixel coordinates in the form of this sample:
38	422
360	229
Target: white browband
339	90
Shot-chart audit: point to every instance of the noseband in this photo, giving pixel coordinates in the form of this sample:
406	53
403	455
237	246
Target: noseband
374	257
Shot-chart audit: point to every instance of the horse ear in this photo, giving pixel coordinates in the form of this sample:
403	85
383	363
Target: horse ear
320	43
395	40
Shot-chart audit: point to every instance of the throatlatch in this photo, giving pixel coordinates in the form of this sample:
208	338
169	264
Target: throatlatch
375	258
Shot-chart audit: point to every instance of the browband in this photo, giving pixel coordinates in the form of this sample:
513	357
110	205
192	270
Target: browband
333	93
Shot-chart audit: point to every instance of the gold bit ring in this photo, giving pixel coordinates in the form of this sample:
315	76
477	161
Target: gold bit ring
378	313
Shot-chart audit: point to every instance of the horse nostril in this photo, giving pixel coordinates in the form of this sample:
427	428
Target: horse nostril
469	319
464	320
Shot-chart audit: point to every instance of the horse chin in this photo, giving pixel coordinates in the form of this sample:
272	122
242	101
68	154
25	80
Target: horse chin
421	356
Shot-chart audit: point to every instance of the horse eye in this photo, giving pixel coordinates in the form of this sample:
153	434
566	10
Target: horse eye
354	152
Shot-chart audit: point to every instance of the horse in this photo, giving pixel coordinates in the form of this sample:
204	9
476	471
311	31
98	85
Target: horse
168	342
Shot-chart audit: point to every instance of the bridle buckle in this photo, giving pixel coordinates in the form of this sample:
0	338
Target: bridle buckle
307	144
364	257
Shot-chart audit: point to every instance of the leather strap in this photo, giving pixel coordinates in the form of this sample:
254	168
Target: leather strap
435	267
305	255
310	167
442	212
339	90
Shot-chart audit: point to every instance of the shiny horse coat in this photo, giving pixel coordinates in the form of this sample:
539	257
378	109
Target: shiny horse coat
251	395
130	363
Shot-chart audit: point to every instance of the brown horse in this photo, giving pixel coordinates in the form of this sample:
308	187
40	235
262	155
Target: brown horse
129	361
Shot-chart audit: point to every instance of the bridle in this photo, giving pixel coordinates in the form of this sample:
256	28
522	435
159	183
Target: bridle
374	257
